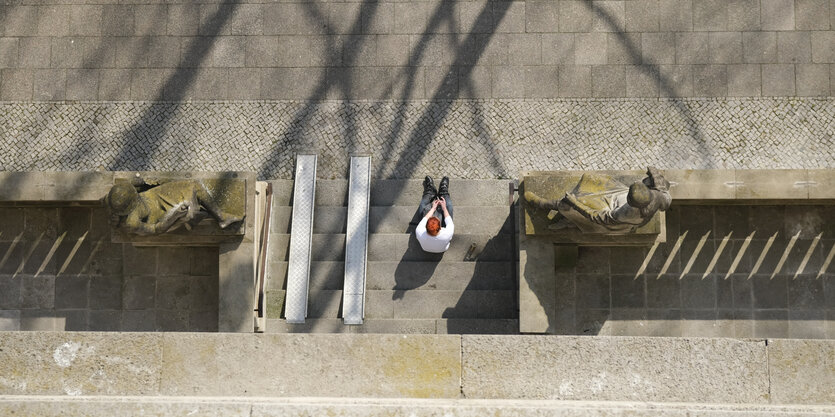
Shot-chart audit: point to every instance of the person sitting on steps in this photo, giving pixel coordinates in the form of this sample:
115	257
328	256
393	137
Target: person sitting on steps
429	232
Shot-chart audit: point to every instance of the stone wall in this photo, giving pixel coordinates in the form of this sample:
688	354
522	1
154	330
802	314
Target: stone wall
724	271
60	271
753	372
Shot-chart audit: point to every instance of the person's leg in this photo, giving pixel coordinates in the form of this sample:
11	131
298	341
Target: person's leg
429	193
443	191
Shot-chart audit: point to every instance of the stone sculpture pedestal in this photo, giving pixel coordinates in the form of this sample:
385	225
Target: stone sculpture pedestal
545	252
554	185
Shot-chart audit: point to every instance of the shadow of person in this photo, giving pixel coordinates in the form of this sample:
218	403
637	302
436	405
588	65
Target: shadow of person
491	292
416	267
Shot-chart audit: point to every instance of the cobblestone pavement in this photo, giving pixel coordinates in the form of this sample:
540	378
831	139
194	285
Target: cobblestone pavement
461	138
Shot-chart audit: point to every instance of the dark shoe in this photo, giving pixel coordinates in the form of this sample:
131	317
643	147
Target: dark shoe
429	185
444	188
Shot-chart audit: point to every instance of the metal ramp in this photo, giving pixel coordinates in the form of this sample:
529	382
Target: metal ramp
301	228
356	240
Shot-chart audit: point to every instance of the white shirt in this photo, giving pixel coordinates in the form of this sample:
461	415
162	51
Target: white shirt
435	244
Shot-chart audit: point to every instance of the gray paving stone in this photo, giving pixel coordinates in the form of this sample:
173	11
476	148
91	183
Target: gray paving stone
744	80
558	48
590	48
291	19
710	15
658	48
710	80
117	20
575	81
608	81
778	80
777	14
675	15
575	16
524	49
812	14
377	18
822	51
392	50
114	84
623	48
794	47
692	48
675	80
542	16
813	80
16	85
508	82
104	320
744	15
510	17
183	19
541	82
759	47
725	47
147	19
8	52
53	20
21	21
642	16
409	17
33	52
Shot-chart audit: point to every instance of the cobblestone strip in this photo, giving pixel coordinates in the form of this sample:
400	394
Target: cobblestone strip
462	138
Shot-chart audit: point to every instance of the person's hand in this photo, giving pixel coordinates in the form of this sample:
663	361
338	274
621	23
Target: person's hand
435	204
442	202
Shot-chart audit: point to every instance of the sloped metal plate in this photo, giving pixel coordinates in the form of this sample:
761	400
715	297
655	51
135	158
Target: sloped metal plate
356	242
301	234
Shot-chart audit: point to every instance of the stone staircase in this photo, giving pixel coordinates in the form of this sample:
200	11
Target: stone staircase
469	289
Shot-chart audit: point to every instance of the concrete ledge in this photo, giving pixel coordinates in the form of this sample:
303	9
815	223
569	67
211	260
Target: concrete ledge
261	407
615	369
802	371
668	370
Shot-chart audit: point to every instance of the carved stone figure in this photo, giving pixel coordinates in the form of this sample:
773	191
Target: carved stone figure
601	204
145	209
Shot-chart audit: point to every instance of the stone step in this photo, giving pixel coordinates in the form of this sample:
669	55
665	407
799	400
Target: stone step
399	192
101	406
397	219
411	304
407	275
399	326
401	247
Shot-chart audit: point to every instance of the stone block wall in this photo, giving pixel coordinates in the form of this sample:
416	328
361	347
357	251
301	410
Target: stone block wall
60	271
725	271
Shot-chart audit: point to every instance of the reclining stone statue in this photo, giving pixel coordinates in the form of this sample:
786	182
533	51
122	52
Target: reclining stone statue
164	207
601	204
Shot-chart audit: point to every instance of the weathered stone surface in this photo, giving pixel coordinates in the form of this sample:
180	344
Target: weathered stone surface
271	407
615	369
693	184
802	371
789	184
44	363
305	365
